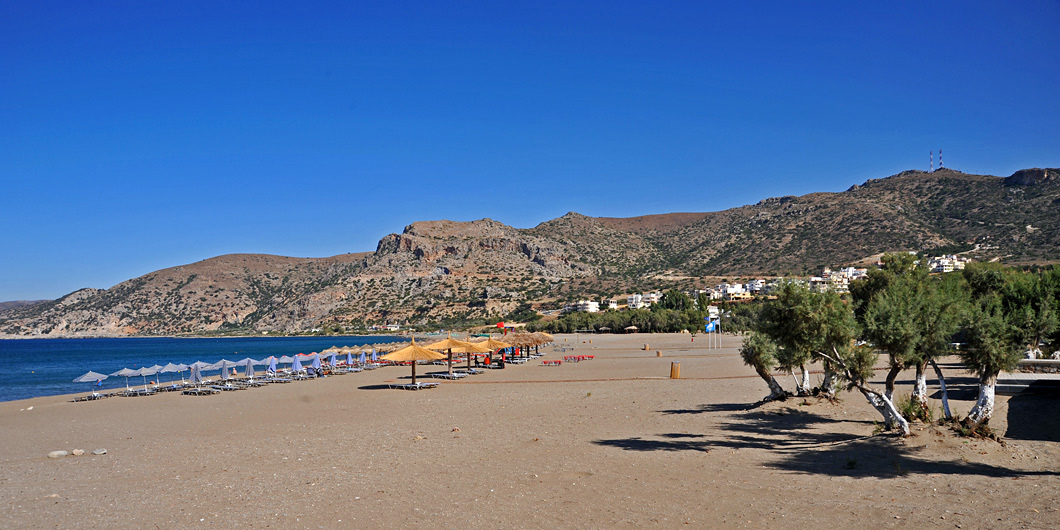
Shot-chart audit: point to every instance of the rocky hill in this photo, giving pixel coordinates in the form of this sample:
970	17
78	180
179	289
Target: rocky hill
441	271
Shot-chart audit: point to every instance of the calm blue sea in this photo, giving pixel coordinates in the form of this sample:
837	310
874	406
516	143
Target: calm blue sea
45	367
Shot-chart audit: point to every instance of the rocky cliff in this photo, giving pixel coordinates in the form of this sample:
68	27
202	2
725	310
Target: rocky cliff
446	271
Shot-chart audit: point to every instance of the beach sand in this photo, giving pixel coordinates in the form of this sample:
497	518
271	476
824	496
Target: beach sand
608	443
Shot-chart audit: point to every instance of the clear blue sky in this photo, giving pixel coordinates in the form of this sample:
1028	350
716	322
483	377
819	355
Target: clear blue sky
136	136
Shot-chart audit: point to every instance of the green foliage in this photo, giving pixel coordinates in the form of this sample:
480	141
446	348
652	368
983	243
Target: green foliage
646	321
1010	310
907	313
674	300
860	362
912	410
759	352
522	313
788	321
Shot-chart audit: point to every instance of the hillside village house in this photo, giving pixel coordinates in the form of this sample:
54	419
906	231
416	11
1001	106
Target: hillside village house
838	281
583	306
947	263
641	301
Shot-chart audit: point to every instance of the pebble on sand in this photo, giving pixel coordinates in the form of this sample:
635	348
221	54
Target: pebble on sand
99	452
78	452
57	454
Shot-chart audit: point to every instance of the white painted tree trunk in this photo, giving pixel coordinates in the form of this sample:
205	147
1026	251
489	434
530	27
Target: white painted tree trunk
942	388
775	390
804	385
984	406
878	404
920	387
887	408
828	386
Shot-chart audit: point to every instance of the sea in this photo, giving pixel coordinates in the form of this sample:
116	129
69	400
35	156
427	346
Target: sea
45	367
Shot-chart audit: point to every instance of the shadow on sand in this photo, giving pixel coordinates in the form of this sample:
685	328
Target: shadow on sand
1033	417
806	442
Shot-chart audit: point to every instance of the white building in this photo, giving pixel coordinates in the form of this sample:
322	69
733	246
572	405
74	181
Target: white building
636	301
584	306
948	263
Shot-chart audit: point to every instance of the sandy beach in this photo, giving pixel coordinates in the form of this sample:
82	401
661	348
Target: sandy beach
607	443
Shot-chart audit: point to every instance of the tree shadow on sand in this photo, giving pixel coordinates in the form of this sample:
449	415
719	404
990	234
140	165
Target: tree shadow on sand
806	442
713	407
754	429
1033	417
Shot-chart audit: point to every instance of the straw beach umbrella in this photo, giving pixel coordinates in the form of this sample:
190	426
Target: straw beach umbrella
413	353
522	341
450	345
494	345
476	347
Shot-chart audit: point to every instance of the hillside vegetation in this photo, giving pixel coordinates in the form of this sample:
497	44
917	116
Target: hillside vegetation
449	273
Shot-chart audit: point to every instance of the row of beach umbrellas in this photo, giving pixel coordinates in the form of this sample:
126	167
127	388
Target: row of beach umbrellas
225	366
430	352
411	353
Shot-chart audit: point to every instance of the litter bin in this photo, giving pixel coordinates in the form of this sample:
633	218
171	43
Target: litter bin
675	370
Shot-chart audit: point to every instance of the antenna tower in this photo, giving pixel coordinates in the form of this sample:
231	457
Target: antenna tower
931	159
940	158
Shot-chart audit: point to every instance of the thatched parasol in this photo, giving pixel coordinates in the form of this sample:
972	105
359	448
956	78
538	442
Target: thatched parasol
493	345
476	347
413	353
450	345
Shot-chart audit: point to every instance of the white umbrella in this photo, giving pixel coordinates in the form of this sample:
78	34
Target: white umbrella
125	372
91	377
172	368
196	375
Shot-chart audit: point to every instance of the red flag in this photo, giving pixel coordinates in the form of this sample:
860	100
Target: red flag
500	324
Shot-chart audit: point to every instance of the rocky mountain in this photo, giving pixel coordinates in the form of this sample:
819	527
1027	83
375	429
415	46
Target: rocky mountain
445	271
15	304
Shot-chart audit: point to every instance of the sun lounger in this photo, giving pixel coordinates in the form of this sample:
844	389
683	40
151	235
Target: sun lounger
200	391
226	388
447	375
92	397
412	386
137	392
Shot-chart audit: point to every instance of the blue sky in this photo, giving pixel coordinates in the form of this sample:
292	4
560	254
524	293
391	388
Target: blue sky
136	136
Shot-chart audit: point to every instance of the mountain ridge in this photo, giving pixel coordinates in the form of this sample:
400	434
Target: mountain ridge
453	271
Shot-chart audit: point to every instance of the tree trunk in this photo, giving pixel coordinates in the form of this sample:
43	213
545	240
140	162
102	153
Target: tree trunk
984	406
942	387
804	385
798	390
919	397
886	407
776	392
831	380
888	392
888	385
